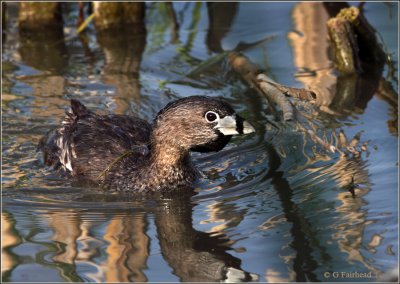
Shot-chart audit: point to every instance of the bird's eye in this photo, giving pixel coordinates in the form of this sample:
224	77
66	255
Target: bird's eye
211	116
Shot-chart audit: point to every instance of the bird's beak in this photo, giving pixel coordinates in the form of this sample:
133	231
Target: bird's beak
234	125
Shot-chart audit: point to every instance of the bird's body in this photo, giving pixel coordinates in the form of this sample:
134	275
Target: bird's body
126	153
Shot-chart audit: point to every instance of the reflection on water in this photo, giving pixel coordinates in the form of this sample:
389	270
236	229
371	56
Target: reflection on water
310	46
270	207
335	94
123	50
9	240
113	245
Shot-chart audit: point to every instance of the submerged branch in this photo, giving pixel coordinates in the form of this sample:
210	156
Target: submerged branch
299	93
275	93
276	96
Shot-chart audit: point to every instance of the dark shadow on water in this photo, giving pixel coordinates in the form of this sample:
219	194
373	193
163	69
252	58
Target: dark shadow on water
347	219
220	18
304	264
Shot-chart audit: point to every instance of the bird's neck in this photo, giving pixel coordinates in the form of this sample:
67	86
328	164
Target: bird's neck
167	150
168	167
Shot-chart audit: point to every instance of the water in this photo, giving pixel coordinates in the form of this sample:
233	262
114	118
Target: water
271	206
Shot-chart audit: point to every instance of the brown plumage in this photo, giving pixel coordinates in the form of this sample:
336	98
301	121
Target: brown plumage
126	153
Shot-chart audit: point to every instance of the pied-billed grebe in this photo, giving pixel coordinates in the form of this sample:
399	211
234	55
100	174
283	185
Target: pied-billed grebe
126	153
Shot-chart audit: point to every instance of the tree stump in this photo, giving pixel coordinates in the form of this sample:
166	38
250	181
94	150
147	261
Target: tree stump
39	15
344	45
354	41
116	15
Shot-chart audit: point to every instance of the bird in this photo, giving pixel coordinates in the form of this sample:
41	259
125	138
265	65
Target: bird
126	153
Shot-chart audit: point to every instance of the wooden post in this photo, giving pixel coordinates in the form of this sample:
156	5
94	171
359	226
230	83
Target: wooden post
110	15
370	48
354	41
39	15
344	45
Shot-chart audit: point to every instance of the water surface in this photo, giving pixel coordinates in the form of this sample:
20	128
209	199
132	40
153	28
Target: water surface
272	206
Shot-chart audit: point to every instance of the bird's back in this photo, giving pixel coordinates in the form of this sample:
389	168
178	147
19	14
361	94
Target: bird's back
87	144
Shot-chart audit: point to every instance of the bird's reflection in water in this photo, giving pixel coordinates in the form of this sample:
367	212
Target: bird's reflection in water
113	245
195	256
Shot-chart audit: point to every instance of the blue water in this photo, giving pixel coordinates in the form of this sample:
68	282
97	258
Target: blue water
272	206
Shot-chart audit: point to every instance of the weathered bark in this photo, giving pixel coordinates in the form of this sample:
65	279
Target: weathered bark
354	41
248	71
337	94
39	15
344	45
115	15
298	93
274	92
370	48
276	96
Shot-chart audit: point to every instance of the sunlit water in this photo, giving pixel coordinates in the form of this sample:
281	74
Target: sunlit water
271	206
